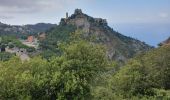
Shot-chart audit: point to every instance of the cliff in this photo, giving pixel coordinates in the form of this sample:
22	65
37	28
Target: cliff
166	42
119	47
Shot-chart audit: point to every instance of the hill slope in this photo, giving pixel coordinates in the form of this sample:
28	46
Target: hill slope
145	75
166	42
119	47
17	30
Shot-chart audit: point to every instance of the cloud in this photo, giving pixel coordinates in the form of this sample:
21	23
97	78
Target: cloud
34	11
6	17
32	6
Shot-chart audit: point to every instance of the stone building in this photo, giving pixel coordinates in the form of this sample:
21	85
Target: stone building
30	39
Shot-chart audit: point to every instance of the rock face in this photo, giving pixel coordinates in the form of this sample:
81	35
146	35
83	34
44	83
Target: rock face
119	47
166	42
83	21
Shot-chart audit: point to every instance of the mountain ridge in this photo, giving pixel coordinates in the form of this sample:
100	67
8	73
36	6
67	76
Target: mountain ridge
119	47
27	29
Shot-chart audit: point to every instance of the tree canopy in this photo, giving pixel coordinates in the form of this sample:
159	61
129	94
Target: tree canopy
69	76
82	71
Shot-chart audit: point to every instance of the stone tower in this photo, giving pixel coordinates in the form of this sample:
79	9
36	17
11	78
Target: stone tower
66	15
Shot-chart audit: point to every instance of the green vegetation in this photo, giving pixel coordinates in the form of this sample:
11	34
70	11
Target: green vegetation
78	69
60	33
146	75
55	36
69	76
4	56
13	42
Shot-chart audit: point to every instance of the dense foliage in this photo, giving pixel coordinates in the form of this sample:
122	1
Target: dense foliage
78	69
58	34
69	76
12	42
4	56
55	36
145	75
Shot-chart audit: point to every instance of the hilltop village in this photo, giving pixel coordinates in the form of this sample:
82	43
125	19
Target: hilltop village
81	58
30	45
114	42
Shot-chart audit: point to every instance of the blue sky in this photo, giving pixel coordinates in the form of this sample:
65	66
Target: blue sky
146	20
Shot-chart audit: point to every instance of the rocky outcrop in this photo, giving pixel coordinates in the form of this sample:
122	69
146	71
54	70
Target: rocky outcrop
166	42
119	47
83	21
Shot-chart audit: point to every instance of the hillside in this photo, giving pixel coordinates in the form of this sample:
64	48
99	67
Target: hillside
40	27
83	72
119	47
18	31
166	42
146	75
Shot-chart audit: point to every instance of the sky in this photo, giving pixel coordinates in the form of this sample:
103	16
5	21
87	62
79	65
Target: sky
146	20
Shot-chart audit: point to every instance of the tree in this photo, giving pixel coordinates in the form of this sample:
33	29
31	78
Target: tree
145	75
68	76
80	63
22	80
4	56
